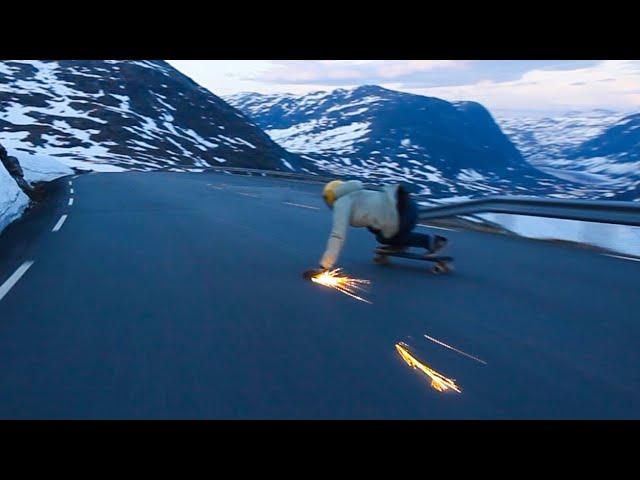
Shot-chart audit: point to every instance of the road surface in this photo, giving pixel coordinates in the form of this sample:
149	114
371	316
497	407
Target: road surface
179	296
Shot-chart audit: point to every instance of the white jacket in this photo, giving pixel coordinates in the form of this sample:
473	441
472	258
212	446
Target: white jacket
358	207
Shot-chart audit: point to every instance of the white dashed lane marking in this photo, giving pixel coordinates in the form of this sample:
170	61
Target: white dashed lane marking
70	201
623	257
13	279
301	205
59	224
71	191
249	194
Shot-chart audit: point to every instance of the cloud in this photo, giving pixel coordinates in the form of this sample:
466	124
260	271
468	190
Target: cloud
401	68
349	72
553	89
497	84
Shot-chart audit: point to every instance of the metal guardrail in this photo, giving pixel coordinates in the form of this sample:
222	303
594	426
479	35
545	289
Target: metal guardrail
284	174
271	173
600	211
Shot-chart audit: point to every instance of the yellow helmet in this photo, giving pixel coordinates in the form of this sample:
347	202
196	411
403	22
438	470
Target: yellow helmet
329	192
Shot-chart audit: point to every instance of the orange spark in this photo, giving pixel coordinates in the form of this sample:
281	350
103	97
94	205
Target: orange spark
438	381
346	285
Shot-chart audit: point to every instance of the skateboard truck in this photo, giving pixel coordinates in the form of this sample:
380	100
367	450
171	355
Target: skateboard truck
442	263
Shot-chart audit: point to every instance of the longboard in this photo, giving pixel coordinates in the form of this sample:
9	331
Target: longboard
442	263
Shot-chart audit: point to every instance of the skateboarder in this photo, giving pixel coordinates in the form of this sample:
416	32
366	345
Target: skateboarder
390	214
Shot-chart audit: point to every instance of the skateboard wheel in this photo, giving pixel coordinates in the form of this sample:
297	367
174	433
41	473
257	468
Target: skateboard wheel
441	267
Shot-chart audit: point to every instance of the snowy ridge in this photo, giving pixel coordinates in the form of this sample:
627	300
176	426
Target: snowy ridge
115	115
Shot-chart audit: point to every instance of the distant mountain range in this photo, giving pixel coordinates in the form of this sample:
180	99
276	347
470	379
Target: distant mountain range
598	147
130	114
620	141
452	148
440	147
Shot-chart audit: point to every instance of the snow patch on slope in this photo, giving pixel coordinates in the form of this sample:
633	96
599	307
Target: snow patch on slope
303	138
41	168
13	201
620	238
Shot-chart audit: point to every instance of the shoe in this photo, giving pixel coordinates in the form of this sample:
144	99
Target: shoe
438	244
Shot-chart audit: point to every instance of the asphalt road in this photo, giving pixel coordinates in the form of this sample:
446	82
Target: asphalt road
179	296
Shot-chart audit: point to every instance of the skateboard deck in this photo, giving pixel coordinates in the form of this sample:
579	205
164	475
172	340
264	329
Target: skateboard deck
442	263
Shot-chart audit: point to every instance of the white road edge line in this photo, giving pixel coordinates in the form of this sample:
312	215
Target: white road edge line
439	228
70	201
301	205
623	257
59	224
13	279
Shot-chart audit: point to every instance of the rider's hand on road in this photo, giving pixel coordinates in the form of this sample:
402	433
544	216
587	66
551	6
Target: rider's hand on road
309	274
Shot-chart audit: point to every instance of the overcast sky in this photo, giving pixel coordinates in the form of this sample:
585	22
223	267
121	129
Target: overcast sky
518	85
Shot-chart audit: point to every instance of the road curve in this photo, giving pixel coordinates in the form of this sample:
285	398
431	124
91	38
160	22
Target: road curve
179	296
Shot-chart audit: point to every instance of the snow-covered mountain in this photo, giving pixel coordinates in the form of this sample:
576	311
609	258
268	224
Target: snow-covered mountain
543	137
112	115
598	147
616	154
620	141
442	148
